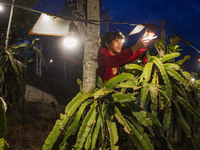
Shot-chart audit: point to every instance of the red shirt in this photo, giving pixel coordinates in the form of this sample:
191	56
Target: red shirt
109	65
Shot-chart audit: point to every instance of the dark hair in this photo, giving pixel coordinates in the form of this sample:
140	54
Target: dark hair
109	37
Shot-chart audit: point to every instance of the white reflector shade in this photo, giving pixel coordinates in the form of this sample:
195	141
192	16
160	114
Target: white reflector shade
50	25
137	29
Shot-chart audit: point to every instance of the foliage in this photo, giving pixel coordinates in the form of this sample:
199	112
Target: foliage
70	7
20	26
172	98
155	104
12	75
171	95
3	107
94	118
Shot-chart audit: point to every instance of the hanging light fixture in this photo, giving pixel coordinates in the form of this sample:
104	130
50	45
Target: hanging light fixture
193	79
71	41
123	37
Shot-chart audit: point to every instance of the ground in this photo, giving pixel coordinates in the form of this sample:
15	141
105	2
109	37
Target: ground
29	135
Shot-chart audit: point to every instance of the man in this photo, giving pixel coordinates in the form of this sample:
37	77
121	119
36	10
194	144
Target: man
110	56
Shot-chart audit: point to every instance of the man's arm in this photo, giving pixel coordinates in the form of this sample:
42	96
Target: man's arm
126	56
108	61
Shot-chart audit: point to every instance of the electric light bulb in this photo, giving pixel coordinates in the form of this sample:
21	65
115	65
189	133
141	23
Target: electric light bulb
70	42
150	36
1	7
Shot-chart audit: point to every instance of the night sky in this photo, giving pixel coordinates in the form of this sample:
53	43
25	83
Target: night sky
182	16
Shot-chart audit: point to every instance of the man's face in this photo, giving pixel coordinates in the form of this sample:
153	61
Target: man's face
115	46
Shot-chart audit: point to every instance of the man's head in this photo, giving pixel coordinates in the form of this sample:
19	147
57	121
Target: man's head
112	41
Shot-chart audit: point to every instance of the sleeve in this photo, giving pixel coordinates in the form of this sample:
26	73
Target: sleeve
126	56
137	55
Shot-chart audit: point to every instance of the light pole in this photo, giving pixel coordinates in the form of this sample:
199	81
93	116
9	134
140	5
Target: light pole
9	24
38	59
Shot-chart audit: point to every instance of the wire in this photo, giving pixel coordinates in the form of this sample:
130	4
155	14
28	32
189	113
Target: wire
183	38
67	17
70	18
23	7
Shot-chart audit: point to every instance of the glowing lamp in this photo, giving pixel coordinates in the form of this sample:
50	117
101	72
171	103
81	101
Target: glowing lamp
70	42
123	40
47	17
1	8
150	36
192	79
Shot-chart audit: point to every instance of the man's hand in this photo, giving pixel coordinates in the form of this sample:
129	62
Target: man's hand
144	41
